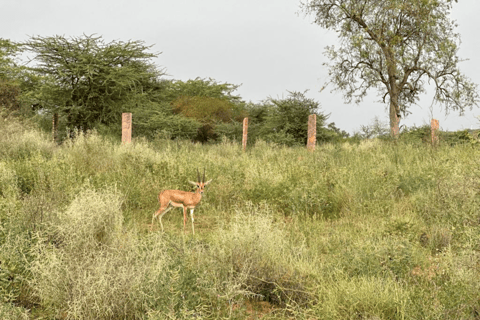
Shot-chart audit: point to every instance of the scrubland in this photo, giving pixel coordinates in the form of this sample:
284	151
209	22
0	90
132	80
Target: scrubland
374	230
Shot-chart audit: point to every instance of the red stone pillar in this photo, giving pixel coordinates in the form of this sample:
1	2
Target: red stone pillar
435	126
245	134
126	128
312	132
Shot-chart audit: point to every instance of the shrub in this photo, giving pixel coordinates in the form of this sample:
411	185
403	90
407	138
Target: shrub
75	270
246	254
361	298
9	192
417	134
18	142
15	245
11	312
15	260
367	230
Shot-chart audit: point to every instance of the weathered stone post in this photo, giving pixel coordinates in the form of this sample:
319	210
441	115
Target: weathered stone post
435	126
126	128
312	132
245	134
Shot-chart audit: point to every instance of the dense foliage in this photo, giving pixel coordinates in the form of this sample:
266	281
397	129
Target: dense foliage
191	110
9	75
375	230
88	81
285	121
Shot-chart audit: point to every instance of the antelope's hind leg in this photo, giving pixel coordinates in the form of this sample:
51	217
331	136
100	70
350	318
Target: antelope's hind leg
160	213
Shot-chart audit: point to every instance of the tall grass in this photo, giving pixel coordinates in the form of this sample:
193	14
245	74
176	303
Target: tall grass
367	231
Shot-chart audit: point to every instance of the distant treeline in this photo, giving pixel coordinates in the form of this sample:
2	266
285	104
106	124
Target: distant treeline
89	83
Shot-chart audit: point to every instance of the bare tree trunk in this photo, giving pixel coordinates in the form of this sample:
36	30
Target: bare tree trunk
394	119
393	91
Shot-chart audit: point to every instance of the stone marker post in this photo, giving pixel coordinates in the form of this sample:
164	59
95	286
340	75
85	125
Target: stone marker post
312	132
245	134
435	126
126	128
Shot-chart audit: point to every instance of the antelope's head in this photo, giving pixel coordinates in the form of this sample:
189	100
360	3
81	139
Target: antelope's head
200	184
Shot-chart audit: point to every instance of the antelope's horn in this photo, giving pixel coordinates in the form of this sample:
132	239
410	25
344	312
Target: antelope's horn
203	180
198	176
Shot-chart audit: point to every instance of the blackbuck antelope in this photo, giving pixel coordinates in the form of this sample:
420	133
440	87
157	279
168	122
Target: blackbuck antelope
182	199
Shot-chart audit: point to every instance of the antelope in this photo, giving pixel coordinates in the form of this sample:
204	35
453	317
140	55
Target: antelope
181	199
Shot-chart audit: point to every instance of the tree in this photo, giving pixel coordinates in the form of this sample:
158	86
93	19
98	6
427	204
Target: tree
8	52
286	121
90	81
204	88
154	116
9	72
198	109
375	130
396	47
9	94
208	102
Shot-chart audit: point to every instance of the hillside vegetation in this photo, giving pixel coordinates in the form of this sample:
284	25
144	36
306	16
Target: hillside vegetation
373	230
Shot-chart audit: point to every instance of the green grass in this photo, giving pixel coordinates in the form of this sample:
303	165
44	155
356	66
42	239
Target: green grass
368	231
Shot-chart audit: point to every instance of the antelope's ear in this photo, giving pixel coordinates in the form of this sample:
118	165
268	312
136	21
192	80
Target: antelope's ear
208	182
194	183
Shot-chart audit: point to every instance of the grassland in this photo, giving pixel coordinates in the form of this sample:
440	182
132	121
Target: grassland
352	231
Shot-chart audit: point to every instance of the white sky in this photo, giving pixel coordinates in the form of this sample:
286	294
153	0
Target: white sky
267	46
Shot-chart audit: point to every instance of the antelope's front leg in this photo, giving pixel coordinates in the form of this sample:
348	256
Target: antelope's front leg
191	215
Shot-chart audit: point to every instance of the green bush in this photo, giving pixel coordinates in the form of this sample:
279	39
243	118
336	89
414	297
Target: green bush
421	134
249	249
15	244
18	142
10	312
362	298
88	267
9	192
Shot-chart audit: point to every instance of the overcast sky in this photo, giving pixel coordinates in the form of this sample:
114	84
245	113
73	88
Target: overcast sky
267	46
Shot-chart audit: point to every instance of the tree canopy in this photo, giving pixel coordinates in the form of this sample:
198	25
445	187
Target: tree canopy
9	73
396	47
88	80
8	52
88	83
205	100
285	120
190	109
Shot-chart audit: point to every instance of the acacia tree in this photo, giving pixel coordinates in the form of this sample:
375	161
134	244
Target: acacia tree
9	73
396	47
90	81
198	109
8	51
208	102
286	119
